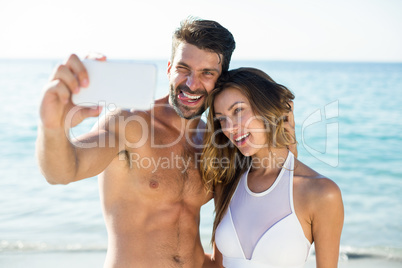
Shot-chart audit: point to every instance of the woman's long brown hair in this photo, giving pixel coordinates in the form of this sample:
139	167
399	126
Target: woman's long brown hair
222	163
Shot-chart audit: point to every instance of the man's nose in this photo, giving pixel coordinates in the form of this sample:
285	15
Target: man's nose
193	81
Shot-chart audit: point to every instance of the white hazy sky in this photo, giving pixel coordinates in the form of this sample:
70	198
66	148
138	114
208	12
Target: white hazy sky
319	30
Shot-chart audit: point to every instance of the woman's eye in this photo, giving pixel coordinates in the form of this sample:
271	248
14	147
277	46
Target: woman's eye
237	110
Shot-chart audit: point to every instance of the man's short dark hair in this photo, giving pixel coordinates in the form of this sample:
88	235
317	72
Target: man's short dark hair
207	35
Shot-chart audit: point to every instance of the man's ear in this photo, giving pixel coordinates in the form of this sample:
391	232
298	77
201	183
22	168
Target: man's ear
169	67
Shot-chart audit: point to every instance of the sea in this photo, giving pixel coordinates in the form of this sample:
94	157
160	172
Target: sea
348	127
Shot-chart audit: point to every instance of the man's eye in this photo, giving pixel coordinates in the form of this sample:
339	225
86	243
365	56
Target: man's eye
181	69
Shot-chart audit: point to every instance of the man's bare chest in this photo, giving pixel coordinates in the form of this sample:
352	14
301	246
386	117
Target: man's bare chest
164	173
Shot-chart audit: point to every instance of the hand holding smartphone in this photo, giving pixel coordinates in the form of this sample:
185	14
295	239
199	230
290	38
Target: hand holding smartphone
124	84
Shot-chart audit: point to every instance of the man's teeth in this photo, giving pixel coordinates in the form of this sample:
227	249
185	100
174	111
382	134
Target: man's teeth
242	137
191	97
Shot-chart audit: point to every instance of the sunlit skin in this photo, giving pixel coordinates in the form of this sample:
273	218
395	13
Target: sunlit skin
239	123
152	215
192	77
317	200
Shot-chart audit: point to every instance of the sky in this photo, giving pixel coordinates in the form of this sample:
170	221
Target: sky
295	30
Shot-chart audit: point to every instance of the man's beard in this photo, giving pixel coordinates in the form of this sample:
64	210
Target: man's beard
182	110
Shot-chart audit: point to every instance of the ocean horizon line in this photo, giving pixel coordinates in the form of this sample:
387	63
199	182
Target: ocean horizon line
324	61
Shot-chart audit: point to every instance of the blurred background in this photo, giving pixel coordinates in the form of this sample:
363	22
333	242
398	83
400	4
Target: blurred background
342	60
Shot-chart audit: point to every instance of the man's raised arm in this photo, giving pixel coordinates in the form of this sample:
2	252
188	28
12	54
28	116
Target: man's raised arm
62	161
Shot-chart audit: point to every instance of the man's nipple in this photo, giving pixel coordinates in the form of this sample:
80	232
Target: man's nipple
153	184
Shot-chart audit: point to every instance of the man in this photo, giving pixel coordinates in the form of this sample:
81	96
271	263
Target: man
152	212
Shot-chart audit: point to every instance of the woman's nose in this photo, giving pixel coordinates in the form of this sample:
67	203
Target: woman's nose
231	126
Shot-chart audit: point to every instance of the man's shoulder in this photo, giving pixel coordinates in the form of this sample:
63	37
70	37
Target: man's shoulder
121	117
128	125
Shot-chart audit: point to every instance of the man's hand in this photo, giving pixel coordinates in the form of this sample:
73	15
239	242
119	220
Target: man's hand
60	160
290	127
56	103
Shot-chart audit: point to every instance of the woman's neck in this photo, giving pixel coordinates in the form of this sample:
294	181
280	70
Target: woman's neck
268	161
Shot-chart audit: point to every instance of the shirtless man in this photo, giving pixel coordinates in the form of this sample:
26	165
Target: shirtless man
152	214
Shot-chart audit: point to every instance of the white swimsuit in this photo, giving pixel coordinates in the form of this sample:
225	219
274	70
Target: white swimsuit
262	229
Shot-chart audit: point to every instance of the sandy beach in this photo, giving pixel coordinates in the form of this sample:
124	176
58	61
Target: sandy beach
95	259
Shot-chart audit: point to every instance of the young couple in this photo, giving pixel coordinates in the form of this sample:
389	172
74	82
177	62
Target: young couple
269	206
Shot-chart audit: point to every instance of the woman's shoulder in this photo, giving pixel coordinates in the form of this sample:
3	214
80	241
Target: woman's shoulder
318	189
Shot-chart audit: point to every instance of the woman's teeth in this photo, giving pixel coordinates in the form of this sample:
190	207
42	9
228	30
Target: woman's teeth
242	137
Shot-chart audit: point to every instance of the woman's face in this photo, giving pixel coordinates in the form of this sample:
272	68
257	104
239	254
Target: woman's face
238	121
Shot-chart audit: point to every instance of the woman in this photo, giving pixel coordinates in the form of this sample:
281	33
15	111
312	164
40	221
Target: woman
269	206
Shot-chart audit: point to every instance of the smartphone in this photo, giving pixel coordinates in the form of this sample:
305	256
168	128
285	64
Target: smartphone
125	84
